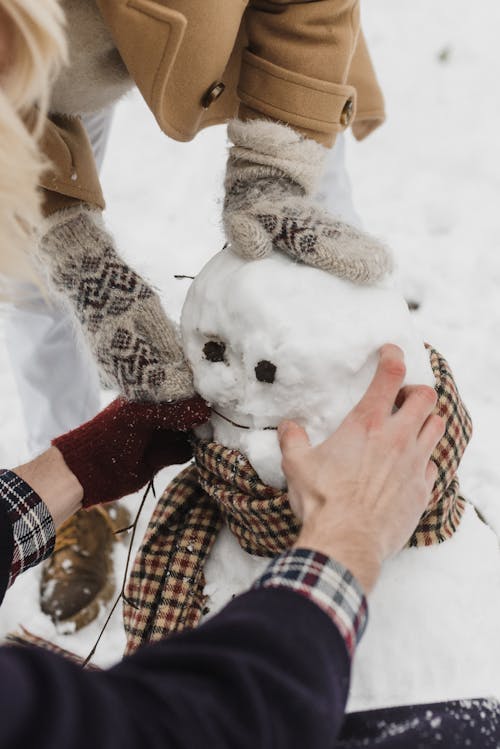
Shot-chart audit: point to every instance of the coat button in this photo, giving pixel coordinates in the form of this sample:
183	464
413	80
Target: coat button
347	113
213	93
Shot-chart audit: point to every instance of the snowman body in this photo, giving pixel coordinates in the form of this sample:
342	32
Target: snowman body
271	339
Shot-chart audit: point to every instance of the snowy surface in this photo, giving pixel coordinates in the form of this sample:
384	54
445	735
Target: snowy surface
431	614
433	628
427	182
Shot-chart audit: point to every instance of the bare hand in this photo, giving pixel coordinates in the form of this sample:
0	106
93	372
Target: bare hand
360	493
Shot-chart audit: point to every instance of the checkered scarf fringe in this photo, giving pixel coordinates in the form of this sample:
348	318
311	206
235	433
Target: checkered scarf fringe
165	588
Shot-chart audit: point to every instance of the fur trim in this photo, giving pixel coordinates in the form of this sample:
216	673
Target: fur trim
62	217
96	76
268	144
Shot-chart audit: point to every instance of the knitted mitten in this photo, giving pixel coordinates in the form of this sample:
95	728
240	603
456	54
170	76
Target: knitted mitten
120	450
135	343
271	175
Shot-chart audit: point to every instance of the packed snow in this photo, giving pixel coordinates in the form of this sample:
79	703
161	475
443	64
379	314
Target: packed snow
317	334
427	183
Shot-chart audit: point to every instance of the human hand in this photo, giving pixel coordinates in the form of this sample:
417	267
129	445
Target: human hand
120	450
362	491
271	176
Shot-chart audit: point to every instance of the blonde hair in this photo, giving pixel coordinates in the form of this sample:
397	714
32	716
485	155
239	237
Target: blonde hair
36	48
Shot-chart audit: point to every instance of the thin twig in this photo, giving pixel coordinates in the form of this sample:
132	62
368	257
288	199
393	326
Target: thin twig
123	530
241	426
181	276
121	595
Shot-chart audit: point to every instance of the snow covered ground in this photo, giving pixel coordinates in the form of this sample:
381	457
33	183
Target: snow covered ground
428	182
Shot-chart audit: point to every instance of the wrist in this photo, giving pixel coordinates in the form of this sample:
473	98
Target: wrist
326	583
354	550
49	476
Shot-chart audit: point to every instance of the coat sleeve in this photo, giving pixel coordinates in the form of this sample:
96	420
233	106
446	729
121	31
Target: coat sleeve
71	175
370	109
270	671
297	63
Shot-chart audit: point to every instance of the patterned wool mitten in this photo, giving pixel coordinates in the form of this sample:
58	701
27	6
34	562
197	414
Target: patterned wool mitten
135	344
120	450
272	173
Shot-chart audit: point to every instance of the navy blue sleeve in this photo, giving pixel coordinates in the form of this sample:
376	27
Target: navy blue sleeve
270	671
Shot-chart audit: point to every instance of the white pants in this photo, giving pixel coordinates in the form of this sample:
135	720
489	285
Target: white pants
335	192
55	375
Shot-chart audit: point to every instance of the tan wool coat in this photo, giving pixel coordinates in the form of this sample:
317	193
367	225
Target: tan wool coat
201	63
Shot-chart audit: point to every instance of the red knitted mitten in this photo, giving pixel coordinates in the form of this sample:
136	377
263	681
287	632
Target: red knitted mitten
120	450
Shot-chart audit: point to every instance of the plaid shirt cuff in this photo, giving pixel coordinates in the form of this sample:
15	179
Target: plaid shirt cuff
32	525
325	582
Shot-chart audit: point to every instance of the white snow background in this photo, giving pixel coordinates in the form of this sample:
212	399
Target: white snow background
427	182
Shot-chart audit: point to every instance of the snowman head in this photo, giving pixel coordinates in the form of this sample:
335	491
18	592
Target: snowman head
271	339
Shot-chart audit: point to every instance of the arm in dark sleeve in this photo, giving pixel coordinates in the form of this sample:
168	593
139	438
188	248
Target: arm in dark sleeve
271	670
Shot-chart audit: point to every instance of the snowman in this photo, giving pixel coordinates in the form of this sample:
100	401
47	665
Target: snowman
271	339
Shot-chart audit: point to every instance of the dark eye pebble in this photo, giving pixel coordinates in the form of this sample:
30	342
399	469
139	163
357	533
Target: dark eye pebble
214	351
265	371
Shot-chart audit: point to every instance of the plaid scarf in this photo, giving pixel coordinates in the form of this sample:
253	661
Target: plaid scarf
165	589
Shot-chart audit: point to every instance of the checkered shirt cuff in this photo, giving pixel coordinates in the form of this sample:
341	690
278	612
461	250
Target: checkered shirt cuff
325	582
32	525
